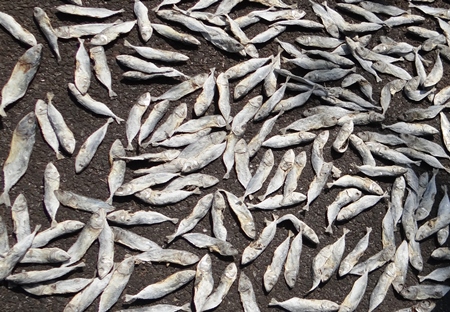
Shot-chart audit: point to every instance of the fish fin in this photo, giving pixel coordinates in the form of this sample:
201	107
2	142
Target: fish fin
197	191
186	307
4	199
129	298
273	302
112	94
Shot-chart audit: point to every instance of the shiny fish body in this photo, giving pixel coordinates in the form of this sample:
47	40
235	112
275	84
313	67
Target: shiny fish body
382	286
157	54
179	257
133	122
59	229
242	118
145	27
299	304
242	160
355	208
226	280
363	150
364	184
213	244
277	181
290	139
138	217
45	255
183	139
205	98
47	29
132	240
194	179
89	147
343	198
118	167
159	198
188	223
80	202
248	83
16	164
273	271
41	111
21	218
292	265
117	284
423	292
257	247
353	257
204	282
101	68
81	30
105	257
279	201
261	174
158	111
243	214
21	77
82	68
355	296
291	182
184	88
63	133
112	33
217	216
411	128
168	127
318	183
87	11
163	287
84	299
42	276
87	236
94	106
56	288
247	294
380	171
256	142
170	33
13	256
16	30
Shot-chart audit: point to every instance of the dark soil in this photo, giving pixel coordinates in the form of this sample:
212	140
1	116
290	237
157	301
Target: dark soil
92	182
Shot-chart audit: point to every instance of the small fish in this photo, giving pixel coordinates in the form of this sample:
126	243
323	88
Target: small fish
353	257
159	198
87	236
213	244
132	240
292	265
111	33
257	247
80	202
82	69
226	280
157	54
319	42
61	228
204	282
41	111
47	29
94	106
205	98
355	296
133	122
21	218
261	174
198	212
159	110
90	146
184	88
341	141
51	184
81	30
145	27
179	257
299	304
256	142
16	30
43	275
412	128
379	292
363	150
56	288
355	208
442	253
105	262
242	213
423	292
318	183
101	68
45	256
364	184
87	11
273	271
16	164
64	134
401	260
248	83
277	181
194	179
247	294
343	198
138	217
170	33
118	167
290	139
117	284
432	226
21	77
242	162
217	210
244	68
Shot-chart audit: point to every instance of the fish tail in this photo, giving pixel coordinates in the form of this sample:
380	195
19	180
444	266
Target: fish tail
54	223
306	207
329	229
118	119
130	147
186	307
126	43
174	220
262	197
112	94
4	199
59	156
273	302
197	191
170	238
109	200
2	112
421	278
129	298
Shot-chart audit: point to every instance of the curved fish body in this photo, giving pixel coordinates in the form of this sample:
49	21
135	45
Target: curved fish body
21	77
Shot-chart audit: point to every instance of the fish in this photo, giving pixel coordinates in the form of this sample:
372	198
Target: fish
51	184
111	33
247	294
94	106
157	54
46	27
56	288
423	292
61	228
204	282
242	213
170	33
101	68
80	30
353	209
21	77
90	146
343	198
184	88
257	247
205	98
145	27
132	240
277	181
198	212
118	167
16	30
45	255
80	202
355	296
87	11
82	68
16	164
88	235
21	218
261	174
138	217
119	280
179	257
226	281
299	304
273	270
133	122
382	286
353	257
213	244
41	112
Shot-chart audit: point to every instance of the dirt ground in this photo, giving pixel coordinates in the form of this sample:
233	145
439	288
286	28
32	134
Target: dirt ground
92	182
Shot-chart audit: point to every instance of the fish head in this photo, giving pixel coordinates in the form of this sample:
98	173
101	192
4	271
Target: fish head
27	125
38	13
126	267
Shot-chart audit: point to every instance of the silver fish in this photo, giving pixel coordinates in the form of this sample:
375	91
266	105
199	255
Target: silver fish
242	160
90	146
204	282
82	68
243	214
184	88
16	164
382	286
81	30
213	244
133	122
61	228
170	33
159	109
299	304
157	54
205	98
353	257
247	294
145	27
41	111
21	77
112	33
64	134
56	288
132	240
138	217
42	276
117	284
21	218
101	68
273	271
343	198
257	247
87	11
16	30
180	257
47	29
45	255
226	280
80	202
118	166
261	174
